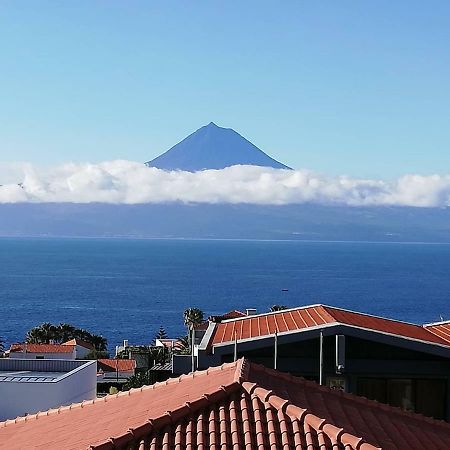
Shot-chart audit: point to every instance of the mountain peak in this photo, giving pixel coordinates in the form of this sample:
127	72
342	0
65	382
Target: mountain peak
213	147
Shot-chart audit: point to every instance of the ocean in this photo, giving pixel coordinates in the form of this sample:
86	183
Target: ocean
127	289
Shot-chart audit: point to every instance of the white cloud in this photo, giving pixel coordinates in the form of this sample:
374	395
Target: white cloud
131	182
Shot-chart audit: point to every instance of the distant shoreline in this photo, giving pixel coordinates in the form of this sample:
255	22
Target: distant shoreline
189	239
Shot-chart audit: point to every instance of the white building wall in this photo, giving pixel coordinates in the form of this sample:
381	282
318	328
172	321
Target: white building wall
29	355
21	398
81	352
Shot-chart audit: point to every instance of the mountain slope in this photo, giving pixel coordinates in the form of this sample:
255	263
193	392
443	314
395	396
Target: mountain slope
213	147
225	221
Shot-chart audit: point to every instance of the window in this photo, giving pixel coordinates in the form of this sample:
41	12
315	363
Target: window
424	396
39	356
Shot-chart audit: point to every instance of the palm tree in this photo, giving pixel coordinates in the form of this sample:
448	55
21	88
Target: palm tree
192	317
99	342
183	346
42	334
65	332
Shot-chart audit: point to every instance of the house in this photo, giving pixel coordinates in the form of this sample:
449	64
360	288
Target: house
42	351
31	385
236	405
169	344
394	362
116	369
82	348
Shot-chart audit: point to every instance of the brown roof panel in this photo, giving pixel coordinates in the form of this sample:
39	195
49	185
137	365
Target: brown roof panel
301	318
442	330
113	365
238	405
390	326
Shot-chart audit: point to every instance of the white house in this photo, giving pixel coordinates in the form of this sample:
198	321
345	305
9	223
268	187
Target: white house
42	351
82	348
31	385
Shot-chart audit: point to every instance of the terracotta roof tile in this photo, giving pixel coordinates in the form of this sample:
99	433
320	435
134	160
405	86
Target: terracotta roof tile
113	365
302	318
41	348
237	406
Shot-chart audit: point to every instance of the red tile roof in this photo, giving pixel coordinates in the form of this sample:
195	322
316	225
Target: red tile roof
170	343
41	348
440	329
234	314
315	316
238	405
80	343
113	365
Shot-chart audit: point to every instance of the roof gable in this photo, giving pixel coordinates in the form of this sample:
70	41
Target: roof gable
239	405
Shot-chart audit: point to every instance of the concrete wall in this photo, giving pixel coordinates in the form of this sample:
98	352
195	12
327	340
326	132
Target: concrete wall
18	398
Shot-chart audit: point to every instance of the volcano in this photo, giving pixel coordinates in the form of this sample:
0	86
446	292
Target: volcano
213	147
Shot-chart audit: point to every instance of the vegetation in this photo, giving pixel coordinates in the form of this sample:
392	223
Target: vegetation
161	334
138	380
184	347
96	354
2	346
275	308
48	333
192	317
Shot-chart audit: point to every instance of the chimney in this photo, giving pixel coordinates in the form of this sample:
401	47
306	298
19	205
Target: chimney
125	343
250	311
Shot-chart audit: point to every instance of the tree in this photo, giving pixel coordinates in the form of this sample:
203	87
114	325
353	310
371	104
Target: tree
138	380
161	334
47	333
96	354
275	308
42	334
184	346
192	317
65	332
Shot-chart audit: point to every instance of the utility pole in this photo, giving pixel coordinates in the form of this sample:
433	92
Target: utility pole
321	358
275	357
192	349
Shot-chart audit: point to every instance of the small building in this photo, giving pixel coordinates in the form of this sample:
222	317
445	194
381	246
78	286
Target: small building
82	348
116	369
239	405
31	385
391	361
42	351
169	344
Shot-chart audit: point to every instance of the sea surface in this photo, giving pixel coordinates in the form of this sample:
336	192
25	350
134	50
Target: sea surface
126	289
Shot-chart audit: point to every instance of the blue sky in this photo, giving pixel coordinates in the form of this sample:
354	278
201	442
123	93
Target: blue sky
348	87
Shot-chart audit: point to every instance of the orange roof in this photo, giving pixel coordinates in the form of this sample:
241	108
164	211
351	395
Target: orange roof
441	329
237	405
315	316
113	365
170	343
80	343
41	348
